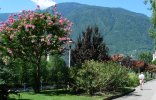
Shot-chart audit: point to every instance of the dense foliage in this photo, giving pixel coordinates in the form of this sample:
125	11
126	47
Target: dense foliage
97	76
133	80
5	73
90	46
146	57
58	71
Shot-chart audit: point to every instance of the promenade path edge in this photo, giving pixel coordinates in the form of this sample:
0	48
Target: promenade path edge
148	92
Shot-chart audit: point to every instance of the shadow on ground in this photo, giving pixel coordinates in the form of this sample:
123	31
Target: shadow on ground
134	94
56	92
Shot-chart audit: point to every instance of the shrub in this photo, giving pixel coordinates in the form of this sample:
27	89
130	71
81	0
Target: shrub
133	80
118	76
96	76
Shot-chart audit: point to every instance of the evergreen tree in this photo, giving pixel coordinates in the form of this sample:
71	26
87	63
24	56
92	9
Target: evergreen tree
90	46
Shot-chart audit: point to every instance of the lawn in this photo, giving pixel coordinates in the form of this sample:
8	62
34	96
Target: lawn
63	95
53	95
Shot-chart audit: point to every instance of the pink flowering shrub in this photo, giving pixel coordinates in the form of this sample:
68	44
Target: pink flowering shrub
34	30
30	35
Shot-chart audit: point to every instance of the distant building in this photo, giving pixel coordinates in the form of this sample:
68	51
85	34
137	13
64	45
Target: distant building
154	56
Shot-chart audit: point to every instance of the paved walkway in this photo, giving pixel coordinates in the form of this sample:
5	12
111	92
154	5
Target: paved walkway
148	93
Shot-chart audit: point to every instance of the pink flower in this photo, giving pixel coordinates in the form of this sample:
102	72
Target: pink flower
11	36
66	29
49	18
70	24
11	20
54	7
27	26
68	21
19	27
29	11
50	23
9	50
56	13
48	43
33	26
64	38
65	19
31	16
61	21
4	25
1	30
49	35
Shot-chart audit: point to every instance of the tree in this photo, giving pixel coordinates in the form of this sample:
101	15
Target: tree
90	46
31	35
146	57
58	71
153	28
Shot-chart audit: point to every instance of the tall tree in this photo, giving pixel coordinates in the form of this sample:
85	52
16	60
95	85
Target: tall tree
153	28
30	35
90	46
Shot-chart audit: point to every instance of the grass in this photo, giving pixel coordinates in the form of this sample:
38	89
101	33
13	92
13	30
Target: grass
62	95
53	95
30	96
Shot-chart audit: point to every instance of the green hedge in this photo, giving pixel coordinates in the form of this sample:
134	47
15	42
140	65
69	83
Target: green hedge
94	76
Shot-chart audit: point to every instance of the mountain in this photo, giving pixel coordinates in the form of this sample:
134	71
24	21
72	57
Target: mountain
123	31
4	16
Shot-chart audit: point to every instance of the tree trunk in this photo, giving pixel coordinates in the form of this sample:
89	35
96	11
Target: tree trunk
151	74
37	77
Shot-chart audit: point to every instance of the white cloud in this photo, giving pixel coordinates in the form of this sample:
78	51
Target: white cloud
44	3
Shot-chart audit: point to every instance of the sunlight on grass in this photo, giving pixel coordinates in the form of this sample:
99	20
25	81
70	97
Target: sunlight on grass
53	96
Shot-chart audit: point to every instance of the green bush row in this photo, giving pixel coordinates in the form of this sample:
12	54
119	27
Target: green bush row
96	76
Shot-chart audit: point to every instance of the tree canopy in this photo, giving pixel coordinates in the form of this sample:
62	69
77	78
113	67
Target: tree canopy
90	46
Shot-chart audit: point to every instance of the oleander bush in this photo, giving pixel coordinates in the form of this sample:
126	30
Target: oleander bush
94	76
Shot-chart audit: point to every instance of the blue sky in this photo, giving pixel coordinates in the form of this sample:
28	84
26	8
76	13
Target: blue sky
10	6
